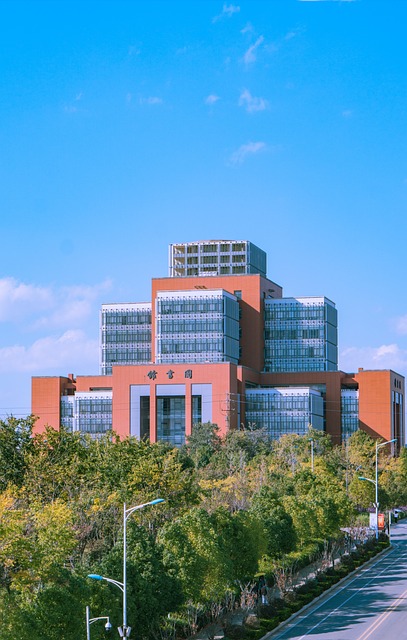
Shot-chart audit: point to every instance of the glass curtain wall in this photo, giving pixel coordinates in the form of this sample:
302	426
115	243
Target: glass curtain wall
284	411
171	419
125	336
87	412
67	412
300	335
193	328
349	412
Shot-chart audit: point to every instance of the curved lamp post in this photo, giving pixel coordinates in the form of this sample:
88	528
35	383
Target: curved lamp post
311	440
124	631
375	504
96	576
90	621
376	482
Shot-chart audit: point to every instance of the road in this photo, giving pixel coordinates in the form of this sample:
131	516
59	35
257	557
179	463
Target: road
369	605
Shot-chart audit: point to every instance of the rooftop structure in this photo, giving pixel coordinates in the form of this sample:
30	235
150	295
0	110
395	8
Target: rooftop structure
216	258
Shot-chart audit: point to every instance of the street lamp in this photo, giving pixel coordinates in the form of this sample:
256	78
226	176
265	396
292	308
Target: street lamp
312	454
376	504
124	631
96	576
376	482
90	621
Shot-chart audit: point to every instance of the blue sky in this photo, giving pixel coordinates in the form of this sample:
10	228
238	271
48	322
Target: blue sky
128	125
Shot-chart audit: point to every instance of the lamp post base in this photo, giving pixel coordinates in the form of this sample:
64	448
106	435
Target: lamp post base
124	632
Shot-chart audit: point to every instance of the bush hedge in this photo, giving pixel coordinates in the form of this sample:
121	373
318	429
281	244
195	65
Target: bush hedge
279	610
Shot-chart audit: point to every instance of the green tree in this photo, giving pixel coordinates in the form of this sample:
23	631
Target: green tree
161	473
192	551
203	442
151	591
393	480
36	541
14	552
237	449
58	465
277	523
57	611
361	454
362	460
241	541
319	505
15	443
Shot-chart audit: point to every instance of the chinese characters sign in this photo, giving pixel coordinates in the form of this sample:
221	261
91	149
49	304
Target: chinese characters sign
152	374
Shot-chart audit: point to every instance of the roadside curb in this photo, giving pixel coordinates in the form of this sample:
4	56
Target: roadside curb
294	615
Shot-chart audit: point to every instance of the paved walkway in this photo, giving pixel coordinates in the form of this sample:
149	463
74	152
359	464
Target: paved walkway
215	631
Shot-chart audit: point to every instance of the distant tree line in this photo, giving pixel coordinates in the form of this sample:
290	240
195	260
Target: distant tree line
235	507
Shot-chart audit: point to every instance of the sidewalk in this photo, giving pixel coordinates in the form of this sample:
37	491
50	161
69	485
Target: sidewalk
215	631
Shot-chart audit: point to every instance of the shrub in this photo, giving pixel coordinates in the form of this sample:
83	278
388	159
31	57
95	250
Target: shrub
280	609
236	631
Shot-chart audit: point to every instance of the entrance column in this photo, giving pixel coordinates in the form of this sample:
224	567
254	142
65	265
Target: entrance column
188	409
153	413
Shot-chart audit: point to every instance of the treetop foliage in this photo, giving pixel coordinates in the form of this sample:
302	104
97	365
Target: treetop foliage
233	506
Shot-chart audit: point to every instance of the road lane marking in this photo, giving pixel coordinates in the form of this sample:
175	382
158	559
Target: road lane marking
346	586
376	624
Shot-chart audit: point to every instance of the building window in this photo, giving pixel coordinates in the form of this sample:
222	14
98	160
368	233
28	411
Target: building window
171	419
196	409
144	417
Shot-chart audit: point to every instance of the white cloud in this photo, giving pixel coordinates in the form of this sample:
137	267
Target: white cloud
401	325
248	28
134	50
250	103
73	305
151	100
385	351
211	99
227	12
291	34
69	351
347	113
230	9
20	300
70	108
246	150
45	331
273	47
386	356
250	55
38	306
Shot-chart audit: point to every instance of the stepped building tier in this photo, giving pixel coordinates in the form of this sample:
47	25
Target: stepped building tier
218	342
